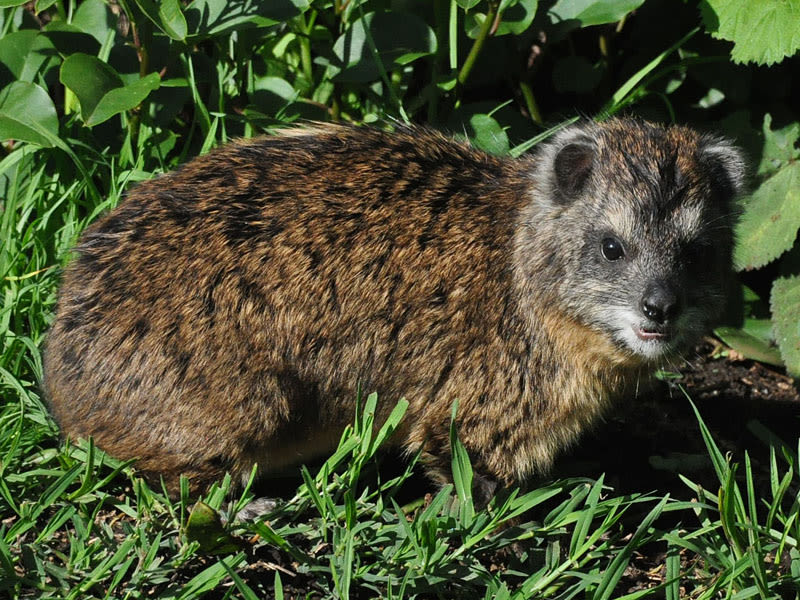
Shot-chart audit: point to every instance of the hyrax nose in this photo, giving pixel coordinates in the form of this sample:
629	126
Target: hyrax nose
659	302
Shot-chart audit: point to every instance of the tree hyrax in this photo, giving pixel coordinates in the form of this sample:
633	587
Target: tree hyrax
226	314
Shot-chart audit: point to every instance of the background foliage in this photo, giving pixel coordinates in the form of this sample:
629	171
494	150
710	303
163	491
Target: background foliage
96	95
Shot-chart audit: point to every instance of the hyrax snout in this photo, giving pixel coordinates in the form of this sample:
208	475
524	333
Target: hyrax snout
227	313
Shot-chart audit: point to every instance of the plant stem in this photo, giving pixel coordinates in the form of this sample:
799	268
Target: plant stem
305	48
452	35
530	102
603	43
382	69
140	43
441	11
477	45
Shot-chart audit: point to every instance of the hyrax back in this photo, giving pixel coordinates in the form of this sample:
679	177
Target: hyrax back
226	314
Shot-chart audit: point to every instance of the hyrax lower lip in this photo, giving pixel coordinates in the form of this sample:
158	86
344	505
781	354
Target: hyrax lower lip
649	335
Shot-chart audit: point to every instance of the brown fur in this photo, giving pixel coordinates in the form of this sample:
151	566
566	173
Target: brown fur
225	314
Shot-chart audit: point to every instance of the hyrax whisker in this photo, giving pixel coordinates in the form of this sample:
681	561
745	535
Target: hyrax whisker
225	314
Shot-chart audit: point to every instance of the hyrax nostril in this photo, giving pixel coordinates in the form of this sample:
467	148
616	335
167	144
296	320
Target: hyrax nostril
660	303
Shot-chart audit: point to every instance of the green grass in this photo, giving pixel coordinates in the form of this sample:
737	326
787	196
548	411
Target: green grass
75	523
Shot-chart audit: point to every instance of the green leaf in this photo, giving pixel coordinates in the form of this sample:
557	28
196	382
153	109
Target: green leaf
94	17
770	221
24	52
246	591
271	94
780	146
68	39
10	3
167	16
754	341
400	38
592	12
763	32
771	217
27	114
205	528
125	98
90	79
517	16
42	5
514	20
785	303
100	90
214	17
488	135
467	4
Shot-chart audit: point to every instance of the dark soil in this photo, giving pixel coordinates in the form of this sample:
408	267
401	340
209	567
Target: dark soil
654	436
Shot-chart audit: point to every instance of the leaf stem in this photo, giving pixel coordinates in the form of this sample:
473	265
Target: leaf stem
530	102
441	12
305	48
477	46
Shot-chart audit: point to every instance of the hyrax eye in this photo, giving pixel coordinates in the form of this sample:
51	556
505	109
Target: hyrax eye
612	248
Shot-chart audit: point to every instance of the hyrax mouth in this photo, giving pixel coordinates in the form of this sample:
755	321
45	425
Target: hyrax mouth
652	334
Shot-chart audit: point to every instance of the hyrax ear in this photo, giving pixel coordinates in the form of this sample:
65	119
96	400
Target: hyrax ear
572	166
725	165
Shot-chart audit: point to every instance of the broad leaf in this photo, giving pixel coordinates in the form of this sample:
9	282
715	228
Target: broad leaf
124	98
42	5
69	39
100	89
780	146
753	341
488	135
214	17
204	527
90	79
785	303
399	38
24	52
94	17
27	114
592	12
516	17
768	227
763	32
271	94
167	15
770	221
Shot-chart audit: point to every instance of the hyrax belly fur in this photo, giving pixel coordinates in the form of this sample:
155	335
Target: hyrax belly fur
226	314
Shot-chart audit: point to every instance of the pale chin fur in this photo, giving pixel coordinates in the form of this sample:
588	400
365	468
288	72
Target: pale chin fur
628	322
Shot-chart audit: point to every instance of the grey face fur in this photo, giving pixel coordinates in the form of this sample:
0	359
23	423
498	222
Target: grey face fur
651	218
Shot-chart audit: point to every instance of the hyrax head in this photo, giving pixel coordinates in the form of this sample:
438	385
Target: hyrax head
640	218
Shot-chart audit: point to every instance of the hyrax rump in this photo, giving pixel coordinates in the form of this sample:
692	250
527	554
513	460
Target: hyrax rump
226	314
